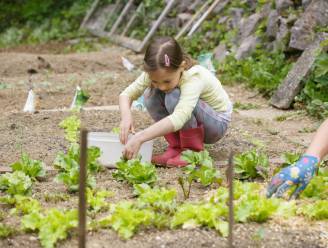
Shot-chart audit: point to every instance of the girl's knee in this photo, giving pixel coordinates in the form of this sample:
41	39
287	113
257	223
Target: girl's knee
213	135
172	99
151	98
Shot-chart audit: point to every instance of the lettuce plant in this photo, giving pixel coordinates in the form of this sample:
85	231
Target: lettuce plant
135	172
251	164
16	183
51	226
68	165
32	168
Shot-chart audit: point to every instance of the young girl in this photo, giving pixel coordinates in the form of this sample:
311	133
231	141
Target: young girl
186	101
303	170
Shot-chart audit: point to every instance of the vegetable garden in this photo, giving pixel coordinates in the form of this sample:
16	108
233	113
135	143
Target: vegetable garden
137	204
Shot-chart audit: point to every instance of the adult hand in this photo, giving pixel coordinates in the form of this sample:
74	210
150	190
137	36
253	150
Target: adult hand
132	147
298	174
125	127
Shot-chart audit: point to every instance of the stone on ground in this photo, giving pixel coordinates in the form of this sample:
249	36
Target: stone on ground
303	33
292	84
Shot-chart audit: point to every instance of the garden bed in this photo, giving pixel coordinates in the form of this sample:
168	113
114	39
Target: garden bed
103	76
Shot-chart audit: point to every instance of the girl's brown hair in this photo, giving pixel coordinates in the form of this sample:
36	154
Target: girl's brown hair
164	48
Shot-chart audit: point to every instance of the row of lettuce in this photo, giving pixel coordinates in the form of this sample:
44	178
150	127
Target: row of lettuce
153	206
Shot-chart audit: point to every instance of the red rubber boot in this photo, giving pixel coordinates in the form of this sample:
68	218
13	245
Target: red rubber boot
173	149
190	139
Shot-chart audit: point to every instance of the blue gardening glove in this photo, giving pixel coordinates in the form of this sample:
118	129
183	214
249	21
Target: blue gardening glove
298	174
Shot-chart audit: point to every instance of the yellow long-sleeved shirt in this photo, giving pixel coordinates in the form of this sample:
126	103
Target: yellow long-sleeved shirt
195	83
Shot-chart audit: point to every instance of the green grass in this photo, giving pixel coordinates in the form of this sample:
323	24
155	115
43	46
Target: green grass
263	71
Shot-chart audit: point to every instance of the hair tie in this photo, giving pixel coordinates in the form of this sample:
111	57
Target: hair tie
167	60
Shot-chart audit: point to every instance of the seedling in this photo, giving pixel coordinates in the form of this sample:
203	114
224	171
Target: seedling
6	231
51	226
126	219
281	118
16	183
161	200
97	200
135	172
200	169
192	215
153	207
56	197
308	130
181	181
25	205
68	165
249	204
315	211
116	130
251	164
71	125
289	116
32	168
290	158
245	106
318	186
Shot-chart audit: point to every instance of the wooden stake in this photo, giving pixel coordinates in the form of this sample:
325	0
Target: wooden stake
134	44
121	17
135	15
153	29
204	16
194	17
89	13
82	186
231	214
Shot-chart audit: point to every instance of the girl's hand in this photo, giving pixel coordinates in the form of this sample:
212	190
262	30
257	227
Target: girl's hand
125	127
132	147
298	174
126	118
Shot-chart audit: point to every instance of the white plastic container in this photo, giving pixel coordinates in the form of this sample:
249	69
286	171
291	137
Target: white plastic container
111	147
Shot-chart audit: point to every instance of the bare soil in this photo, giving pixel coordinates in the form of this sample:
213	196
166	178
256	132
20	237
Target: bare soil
103	76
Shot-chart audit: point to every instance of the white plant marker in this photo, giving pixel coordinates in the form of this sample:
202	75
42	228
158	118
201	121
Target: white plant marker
127	64
75	96
30	102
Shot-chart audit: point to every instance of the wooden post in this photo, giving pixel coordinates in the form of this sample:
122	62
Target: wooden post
188	24
204	16
231	214
120	18
82	186
89	13
136	45
135	15
156	25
